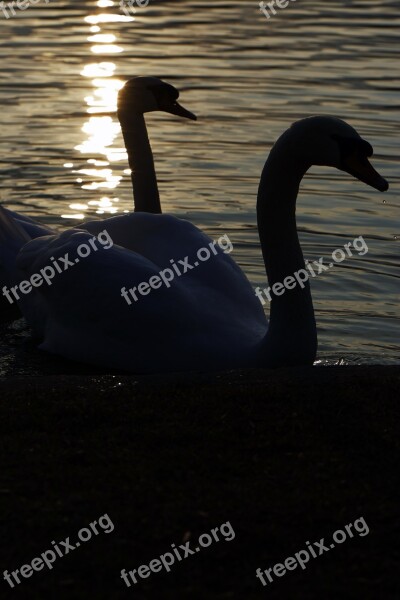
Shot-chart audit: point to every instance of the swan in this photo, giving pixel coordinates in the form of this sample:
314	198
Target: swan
138	96
209	318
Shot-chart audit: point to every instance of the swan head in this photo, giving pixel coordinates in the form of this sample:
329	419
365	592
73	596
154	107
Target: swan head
331	142
148	94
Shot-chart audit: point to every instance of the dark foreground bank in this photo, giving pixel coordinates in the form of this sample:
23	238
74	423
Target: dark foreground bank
286	457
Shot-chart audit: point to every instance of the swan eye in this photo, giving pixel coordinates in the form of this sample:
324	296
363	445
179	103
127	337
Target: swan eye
349	146
164	92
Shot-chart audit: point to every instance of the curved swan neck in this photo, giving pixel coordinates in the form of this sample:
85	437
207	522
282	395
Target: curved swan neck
292	329
141	163
276	216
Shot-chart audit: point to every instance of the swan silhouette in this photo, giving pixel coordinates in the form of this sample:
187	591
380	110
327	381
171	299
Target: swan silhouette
139	95
210	317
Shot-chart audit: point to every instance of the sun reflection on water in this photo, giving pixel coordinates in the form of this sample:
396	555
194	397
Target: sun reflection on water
102	126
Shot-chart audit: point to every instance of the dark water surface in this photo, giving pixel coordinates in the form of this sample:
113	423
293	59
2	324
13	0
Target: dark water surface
247	79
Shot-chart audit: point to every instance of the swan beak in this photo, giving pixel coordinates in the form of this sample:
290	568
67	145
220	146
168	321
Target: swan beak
177	109
361	168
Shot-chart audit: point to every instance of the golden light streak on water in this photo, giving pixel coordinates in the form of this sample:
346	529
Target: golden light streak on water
100	129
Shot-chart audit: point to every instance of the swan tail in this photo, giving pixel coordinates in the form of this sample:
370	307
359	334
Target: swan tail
11	232
12	238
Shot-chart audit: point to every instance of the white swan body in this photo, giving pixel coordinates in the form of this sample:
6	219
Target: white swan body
209	318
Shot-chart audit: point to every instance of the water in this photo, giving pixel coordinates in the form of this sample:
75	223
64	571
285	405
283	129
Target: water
247	78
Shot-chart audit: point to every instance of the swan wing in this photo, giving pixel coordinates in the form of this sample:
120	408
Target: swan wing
208	317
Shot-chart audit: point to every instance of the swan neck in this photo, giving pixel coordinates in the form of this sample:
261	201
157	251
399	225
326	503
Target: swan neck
276	216
292	323
141	163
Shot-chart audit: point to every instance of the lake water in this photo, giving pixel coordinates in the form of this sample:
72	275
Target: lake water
247	78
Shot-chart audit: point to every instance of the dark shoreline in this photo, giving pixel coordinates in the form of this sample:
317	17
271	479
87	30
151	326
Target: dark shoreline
285	456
